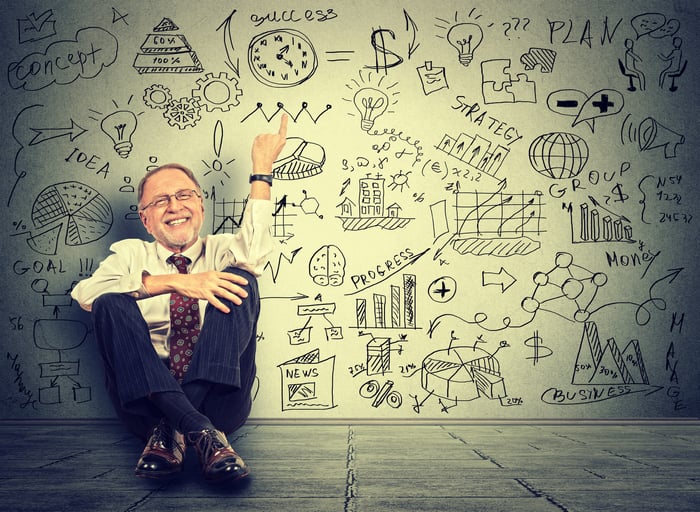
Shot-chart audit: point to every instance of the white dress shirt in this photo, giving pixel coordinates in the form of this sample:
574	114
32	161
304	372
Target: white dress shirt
123	270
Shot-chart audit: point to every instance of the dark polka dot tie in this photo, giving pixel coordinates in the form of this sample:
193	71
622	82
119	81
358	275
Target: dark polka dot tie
184	324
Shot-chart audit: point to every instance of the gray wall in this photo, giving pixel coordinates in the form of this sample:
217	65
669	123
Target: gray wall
528	249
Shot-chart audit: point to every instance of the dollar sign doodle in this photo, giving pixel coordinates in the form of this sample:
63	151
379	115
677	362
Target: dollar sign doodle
535	342
381	52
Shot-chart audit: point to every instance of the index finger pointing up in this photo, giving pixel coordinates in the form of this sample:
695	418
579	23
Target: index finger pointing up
283	126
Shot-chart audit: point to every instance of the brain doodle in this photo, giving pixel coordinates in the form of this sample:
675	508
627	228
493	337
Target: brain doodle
327	266
558	155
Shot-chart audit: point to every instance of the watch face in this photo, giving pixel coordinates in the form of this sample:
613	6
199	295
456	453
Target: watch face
282	58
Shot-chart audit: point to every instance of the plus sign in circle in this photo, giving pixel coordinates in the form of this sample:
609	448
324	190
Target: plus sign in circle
443	289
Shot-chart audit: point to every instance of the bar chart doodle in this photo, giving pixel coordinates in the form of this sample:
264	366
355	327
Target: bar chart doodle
478	153
591	222
402	307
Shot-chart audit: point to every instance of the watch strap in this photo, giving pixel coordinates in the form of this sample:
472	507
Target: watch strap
267	178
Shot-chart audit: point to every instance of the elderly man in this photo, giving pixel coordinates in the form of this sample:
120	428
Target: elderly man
175	319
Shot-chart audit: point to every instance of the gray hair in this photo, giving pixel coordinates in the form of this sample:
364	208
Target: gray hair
188	172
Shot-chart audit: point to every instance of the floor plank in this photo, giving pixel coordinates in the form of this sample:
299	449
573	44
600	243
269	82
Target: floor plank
353	468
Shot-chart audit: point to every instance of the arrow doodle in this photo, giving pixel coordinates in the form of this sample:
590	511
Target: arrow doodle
502	278
228	44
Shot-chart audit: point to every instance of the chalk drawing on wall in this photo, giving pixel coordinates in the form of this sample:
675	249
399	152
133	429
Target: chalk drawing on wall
119	126
558	155
398	313
35	27
432	78
650	134
80	210
165	51
370	211
299	159
218	166
380	394
567	290
371	100
586	107
539	58
302	335
496	223
217	92
61	336
327	266
282	58
477	152
499	86
591	222
307	382
462	373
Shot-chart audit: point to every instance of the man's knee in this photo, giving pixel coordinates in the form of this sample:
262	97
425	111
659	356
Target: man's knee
111	302
252	286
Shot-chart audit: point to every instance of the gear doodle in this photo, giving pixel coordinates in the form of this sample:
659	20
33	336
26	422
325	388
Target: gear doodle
217	92
157	96
183	112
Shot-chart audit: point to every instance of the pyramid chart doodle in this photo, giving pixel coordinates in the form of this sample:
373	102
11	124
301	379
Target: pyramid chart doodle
164	51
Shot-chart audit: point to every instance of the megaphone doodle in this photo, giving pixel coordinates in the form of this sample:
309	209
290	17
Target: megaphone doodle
653	134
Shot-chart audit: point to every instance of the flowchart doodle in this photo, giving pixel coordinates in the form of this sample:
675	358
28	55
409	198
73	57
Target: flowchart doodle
49	334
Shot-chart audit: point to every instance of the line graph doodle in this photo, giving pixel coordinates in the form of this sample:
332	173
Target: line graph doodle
496	223
294	116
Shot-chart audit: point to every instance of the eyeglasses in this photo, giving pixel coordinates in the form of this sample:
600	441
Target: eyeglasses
164	200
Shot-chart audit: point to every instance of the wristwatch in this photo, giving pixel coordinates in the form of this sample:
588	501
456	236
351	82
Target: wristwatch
267	178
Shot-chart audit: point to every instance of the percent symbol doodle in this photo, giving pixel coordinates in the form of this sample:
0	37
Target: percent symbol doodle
381	393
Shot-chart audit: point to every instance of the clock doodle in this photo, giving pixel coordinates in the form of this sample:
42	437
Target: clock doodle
282	58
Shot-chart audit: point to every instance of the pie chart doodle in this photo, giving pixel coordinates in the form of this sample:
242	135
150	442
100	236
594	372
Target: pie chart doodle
81	210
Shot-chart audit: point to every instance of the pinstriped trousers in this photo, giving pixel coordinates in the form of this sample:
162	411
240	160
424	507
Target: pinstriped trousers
224	356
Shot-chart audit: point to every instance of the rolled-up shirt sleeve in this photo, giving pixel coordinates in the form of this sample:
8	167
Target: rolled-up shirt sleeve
121	272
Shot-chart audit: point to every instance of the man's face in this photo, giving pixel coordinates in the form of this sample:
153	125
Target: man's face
175	224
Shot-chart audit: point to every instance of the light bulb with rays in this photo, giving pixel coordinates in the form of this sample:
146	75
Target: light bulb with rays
466	38
370	103
120	126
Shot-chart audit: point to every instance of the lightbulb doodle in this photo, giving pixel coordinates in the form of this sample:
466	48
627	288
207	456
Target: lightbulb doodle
371	100
464	36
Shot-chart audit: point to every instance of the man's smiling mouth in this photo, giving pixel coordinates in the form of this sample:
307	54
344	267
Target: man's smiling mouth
176	222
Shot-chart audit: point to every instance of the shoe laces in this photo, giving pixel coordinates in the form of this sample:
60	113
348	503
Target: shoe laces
208	443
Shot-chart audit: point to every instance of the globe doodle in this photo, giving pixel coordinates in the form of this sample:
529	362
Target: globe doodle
558	155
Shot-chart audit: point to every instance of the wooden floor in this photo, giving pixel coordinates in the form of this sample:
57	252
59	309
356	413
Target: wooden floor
511	467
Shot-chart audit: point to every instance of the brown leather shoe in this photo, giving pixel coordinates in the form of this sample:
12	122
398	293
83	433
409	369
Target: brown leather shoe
162	457
219	461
